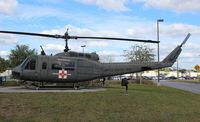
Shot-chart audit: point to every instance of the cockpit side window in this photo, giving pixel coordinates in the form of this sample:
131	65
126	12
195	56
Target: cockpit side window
44	65
56	66
31	65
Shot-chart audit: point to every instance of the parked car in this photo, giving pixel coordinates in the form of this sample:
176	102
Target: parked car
171	78
181	78
147	78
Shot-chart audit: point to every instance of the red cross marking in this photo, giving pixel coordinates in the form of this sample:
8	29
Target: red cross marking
62	74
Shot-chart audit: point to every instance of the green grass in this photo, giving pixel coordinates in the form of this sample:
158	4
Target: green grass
143	103
12	83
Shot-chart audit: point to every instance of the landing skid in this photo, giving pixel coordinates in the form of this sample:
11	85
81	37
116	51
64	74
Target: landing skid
53	87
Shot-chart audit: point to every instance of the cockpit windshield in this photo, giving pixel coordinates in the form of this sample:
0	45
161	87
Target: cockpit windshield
23	63
29	64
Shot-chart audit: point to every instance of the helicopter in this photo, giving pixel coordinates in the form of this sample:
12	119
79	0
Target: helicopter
72	67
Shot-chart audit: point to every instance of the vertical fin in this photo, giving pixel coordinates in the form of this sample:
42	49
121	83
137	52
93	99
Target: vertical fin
171	58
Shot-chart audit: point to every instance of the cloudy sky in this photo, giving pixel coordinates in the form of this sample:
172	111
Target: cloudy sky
113	18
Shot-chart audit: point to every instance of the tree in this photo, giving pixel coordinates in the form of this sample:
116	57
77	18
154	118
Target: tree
4	64
139	54
20	53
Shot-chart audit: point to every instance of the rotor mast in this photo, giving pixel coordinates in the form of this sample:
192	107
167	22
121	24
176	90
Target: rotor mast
66	41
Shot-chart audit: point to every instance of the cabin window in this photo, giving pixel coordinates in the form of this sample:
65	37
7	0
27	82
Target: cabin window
88	56
31	65
81	54
44	65
69	65
72	54
56	66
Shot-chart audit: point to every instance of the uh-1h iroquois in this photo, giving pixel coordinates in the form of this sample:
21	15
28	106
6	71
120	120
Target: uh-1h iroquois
72	67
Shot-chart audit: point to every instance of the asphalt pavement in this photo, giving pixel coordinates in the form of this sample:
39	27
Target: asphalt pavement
186	86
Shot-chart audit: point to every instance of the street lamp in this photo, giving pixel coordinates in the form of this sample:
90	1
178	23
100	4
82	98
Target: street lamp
177	68
158	21
83	46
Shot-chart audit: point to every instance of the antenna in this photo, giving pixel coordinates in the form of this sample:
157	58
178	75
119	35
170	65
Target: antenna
42	52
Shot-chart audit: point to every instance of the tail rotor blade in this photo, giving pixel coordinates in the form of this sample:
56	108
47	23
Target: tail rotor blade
185	40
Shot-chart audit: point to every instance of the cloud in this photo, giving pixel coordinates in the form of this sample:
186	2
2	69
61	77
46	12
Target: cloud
174	5
58	48
189	55
53	47
111	5
7	39
49	1
75	31
27	11
167	30
8	7
108	56
4	54
179	29
97	44
109	53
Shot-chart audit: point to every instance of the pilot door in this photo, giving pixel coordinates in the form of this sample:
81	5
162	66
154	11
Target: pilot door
29	70
43	68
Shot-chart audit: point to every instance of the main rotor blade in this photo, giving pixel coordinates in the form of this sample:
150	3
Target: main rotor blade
33	34
108	38
77	37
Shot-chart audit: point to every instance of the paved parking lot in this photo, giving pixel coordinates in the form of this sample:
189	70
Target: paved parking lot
187	86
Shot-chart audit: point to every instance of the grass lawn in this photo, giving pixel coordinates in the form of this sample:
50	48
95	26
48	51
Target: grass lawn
144	103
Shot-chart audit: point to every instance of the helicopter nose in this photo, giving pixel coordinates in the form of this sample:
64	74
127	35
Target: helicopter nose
16	72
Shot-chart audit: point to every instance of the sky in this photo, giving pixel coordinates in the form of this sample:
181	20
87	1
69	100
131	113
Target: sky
112	18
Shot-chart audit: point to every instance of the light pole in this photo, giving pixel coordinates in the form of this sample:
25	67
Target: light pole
83	46
177	69
158	21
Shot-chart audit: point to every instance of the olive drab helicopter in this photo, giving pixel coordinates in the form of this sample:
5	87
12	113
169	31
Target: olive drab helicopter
72	67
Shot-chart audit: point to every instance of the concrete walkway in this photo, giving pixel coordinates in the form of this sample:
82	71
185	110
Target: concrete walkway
22	89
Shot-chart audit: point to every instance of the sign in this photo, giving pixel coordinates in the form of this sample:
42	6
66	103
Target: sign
197	67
